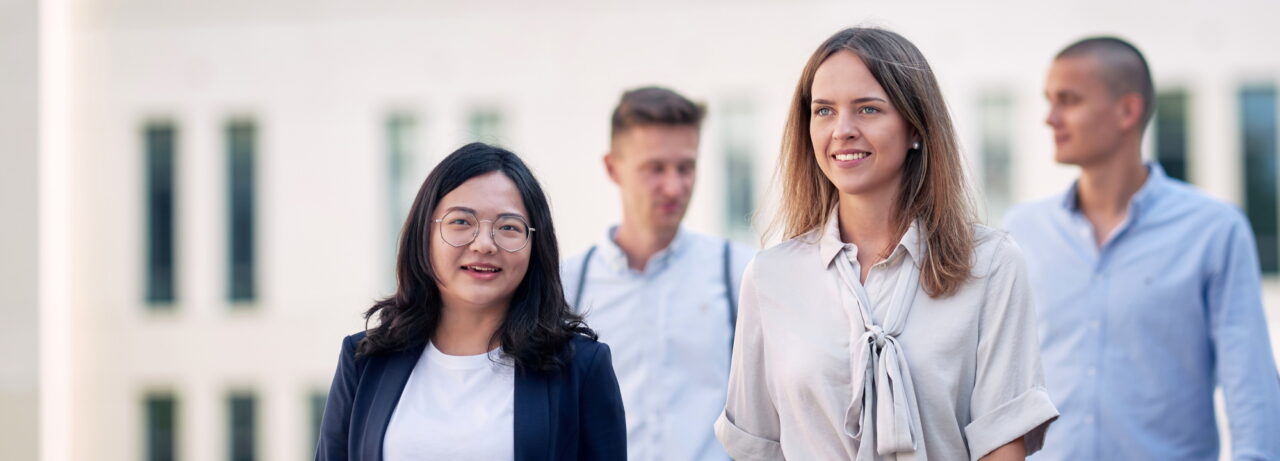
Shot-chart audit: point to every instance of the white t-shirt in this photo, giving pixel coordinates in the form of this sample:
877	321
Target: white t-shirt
454	407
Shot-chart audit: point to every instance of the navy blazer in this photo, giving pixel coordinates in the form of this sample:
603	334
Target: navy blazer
574	413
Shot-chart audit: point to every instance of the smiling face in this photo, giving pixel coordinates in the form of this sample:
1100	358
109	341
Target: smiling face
480	274
859	139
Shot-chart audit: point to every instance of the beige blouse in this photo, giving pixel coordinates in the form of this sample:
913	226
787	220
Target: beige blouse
825	367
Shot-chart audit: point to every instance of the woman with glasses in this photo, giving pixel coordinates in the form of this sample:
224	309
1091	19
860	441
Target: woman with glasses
890	325
477	355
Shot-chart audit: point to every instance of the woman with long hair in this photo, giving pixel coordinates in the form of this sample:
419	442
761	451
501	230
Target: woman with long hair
477	355
888	324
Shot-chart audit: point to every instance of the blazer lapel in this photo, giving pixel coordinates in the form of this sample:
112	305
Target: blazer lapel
395	373
532	417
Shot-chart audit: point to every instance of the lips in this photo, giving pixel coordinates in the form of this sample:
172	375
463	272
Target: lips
848	158
482	268
851	156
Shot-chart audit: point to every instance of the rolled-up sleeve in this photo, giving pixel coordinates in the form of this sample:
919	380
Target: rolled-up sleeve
1009	399
749	428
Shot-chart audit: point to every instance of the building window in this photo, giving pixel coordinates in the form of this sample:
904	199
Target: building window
241	150
1171	132
404	178
161	427
160	140
737	141
996	141
1258	132
485	125
242	428
316	403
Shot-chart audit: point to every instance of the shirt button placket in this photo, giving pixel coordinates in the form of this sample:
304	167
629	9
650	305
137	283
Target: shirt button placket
662	300
1099	341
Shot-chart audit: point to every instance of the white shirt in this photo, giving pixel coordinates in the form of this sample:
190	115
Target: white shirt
826	367
670	332
454	407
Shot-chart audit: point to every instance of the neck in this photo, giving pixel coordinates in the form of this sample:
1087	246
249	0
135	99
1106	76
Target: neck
870	222
1106	188
641	243
468	331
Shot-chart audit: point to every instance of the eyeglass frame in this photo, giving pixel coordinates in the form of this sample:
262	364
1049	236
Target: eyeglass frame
528	235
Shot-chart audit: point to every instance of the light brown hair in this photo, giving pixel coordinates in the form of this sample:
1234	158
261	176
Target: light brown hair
934	189
653	105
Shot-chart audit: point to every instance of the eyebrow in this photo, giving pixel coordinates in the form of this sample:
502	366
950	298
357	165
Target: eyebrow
855	101
1060	94
473	211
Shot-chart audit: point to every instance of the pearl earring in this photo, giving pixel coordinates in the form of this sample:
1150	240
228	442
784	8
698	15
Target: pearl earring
915	145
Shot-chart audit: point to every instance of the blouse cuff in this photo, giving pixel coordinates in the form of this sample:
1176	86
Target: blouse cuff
1027	416
743	446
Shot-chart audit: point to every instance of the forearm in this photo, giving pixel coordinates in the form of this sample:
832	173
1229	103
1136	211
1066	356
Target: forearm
1012	451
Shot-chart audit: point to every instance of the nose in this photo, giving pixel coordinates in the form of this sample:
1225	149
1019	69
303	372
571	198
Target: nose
483	243
1052	118
674	182
846	128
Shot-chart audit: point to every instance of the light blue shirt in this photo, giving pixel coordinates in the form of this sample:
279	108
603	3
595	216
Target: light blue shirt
670	332
1137	334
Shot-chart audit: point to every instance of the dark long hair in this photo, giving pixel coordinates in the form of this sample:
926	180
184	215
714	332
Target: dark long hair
539	321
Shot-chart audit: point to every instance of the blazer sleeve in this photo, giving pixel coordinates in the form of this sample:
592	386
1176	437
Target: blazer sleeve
335	425
603	435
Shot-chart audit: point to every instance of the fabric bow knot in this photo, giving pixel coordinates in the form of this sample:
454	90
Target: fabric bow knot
876	335
885	381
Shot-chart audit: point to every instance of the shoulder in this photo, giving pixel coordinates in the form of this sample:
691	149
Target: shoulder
352	342
702	243
789	251
1033	211
587	353
993	249
708	246
574	262
1184	202
348	362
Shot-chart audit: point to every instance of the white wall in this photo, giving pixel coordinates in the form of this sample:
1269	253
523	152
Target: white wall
19	376
319	78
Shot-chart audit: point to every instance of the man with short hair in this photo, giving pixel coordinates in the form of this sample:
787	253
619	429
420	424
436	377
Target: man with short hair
662	297
1148	291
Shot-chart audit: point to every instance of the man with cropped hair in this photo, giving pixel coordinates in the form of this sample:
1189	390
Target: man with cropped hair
1148	290
664	298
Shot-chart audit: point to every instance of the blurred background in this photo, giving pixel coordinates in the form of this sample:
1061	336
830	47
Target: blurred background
200	198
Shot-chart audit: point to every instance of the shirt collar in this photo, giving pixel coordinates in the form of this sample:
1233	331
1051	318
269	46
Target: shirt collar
613	255
830	244
1146	195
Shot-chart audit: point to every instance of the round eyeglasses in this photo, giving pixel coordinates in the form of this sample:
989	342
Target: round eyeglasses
459	228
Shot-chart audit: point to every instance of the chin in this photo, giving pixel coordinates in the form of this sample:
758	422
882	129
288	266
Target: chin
851	186
668	222
1072	158
1065	159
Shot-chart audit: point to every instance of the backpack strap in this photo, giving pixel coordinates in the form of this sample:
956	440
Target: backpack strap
729	293
582	279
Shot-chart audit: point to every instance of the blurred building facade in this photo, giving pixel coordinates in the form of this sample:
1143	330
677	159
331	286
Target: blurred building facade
229	177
